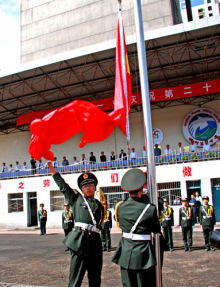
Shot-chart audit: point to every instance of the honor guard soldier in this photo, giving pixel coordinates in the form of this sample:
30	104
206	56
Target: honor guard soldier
207	220
42	218
167	224
186	224
84	240
67	219
135	253
105	231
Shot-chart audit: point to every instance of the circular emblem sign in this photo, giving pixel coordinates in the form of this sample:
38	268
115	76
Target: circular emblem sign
200	125
157	136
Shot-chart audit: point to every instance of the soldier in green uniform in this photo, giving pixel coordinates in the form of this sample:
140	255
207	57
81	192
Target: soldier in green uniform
167	224
105	231
42	218
186	223
135	253
84	240
207	220
67	219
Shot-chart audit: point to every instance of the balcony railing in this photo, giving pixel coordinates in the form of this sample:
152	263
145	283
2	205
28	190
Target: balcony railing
172	158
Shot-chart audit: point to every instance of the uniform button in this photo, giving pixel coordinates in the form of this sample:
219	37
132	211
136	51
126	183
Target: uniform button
93	212
89	233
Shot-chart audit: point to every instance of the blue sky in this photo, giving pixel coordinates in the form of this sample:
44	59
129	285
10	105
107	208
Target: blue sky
9	34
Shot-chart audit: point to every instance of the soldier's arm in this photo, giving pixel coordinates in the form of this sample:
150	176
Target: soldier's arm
69	194
200	216
110	215
172	220
180	217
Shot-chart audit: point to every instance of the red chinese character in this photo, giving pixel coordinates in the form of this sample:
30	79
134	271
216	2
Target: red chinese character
187	171
21	185
114	177
46	182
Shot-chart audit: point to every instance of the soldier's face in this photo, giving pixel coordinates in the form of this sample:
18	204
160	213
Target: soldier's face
205	201
89	190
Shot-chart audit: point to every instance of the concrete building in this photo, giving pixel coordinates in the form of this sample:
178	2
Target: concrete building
68	53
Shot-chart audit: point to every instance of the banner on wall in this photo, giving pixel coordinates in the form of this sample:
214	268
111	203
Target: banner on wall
200	125
156	95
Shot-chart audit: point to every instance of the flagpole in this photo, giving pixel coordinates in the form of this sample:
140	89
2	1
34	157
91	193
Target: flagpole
145	94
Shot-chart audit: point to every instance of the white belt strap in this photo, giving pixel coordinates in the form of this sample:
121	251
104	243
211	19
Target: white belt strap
139	218
90	211
135	237
86	226
185	218
166	218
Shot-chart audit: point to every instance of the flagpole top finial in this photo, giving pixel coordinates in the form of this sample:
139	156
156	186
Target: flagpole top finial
119	2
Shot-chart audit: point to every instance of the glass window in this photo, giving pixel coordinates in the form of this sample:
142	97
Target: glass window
209	8
171	191
210	14
15	202
56	200
208	1
113	194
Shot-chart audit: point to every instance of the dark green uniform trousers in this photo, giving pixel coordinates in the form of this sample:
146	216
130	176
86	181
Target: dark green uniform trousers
207	232
168	236
106	237
138	278
79	264
187	236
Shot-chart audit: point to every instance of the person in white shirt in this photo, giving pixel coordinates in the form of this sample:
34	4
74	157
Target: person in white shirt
144	154
17	166
55	163
10	168
75	161
193	146
25	167
40	164
217	144
206	146
46	166
167	150
133	154
180	148
4	167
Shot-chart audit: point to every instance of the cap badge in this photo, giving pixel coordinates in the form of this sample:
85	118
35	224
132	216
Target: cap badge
85	176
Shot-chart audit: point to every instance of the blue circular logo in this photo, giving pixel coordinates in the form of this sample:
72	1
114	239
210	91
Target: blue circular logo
202	127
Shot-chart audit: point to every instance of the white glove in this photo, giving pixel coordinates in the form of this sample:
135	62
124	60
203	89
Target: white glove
171	227
192	227
109	229
180	227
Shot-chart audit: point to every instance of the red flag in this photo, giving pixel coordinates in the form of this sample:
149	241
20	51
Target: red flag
80	116
63	123
122	98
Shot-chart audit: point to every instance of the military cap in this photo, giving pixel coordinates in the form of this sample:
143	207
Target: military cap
133	180
205	197
66	204
41	205
185	199
85	178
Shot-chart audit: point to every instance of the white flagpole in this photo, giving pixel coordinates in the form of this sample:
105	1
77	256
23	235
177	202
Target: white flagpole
147	122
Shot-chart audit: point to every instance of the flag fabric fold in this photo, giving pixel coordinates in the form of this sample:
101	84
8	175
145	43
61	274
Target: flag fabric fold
81	116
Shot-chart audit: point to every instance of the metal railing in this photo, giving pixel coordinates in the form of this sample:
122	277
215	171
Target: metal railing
172	158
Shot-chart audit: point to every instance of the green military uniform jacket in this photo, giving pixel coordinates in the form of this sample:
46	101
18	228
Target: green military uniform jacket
42	216
185	217
107	223
67	219
80	240
136	254
167	217
207	216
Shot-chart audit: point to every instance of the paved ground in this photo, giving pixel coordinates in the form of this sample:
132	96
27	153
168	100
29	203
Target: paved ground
29	259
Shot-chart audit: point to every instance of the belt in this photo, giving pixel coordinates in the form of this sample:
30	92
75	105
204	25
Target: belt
135	237
166	218
208	216
185	218
86	226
